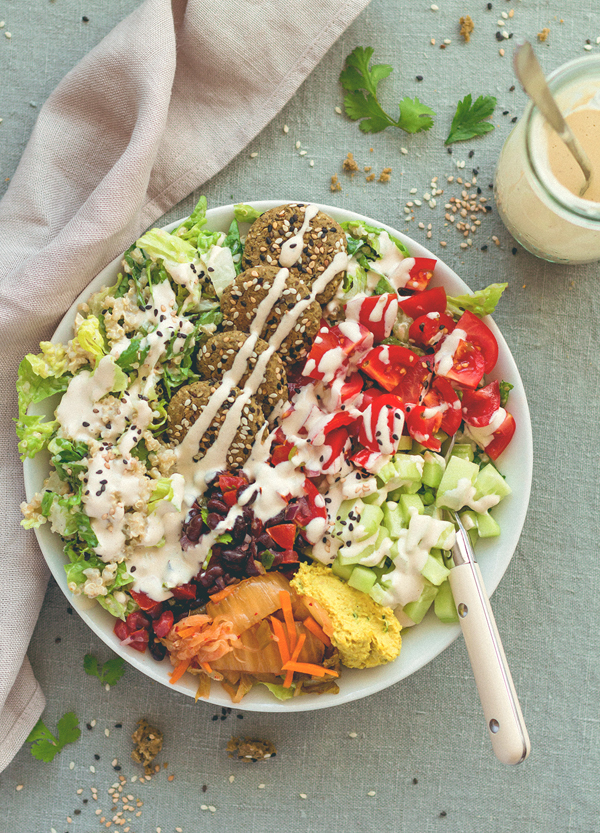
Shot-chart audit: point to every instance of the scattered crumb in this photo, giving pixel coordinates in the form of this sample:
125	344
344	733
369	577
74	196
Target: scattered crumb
250	750
543	35
336	185
384	176
147	744
466	27
367	169
349	165
370	178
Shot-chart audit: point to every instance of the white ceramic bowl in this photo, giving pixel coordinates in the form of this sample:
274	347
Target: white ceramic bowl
421	643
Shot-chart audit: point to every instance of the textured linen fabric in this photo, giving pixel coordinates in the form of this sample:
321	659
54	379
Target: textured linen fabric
421	746
159	106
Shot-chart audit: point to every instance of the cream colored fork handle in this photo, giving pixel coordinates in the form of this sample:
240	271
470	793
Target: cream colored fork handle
501	708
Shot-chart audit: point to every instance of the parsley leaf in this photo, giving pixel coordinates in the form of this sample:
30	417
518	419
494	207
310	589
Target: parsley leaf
469	118
361	103
45	744
505	389
110	673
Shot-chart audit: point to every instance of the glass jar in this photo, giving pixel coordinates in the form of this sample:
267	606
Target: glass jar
544	216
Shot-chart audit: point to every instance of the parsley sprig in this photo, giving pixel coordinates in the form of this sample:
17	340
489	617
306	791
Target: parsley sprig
45	744
469	119
109	673
361	103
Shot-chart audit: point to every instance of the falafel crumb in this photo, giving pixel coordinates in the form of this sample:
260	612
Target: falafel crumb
350	165
384	176
148	741
466	27
543	35
370	178
251	750
336	185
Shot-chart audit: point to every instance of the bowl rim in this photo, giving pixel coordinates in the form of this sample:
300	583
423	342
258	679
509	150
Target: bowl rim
421	643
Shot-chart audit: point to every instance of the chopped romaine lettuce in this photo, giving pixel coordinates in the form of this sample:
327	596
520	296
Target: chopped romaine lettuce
245	213
34	434
89	337
52	361
158	243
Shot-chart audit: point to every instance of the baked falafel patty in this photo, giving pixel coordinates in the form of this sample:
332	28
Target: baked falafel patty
241	300
323	239
188	403
216	356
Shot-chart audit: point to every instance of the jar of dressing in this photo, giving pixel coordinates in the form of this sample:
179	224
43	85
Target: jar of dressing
537	181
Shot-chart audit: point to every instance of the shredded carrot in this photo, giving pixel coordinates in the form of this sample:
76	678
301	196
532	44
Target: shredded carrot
179	670
317	630
206	667
279	632
295	654
288	615
222	594
309	668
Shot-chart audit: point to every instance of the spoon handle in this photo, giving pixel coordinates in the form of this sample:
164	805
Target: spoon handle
531	76
503	716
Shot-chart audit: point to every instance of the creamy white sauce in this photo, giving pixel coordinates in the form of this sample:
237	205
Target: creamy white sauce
464	495
444	358
291	249
484	435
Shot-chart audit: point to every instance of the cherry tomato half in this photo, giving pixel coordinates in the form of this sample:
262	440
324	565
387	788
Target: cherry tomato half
429	329
480	335
422	425
502	436
421	273
431	300
479	406
442	395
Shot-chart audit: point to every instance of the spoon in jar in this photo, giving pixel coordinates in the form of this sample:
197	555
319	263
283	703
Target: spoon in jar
531	76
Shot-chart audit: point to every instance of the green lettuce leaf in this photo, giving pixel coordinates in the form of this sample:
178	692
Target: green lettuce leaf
89	337
482	302
34	434
158	243
52	361
232	241
279	691
245	213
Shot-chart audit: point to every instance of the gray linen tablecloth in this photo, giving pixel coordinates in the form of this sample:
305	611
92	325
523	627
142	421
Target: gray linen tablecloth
415	757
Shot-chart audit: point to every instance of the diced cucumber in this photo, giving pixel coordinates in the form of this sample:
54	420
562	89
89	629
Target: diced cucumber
457	469
362	578
487	527
433	469
378	594
463	450
346	555
395	494
392	519
469	519
444	606
490	482
417	610
346	507
376	498
343	571
387	472
405	443
408	502
408	468
447	537
434	572
410	488
370	520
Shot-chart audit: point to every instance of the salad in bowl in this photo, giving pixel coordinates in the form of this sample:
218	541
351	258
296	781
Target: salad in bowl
250	440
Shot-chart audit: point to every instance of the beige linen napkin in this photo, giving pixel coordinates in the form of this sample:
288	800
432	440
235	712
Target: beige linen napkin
167	99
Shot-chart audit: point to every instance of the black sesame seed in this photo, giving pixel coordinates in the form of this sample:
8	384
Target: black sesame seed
499	36
85	19
419	77
489	5
97	757
513	120
484	248
505	112
511	89
471	154
514	250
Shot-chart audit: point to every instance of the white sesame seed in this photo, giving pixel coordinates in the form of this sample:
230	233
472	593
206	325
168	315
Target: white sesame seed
421	225
253	155
303	153
407	210
312	165
504	15
2	24
432	41
371	793
413	190
404	151
8	35
303	795
418	202
212	808
432	203
463	245
500	23
92	769
107	732
443	244
261	786
434	8
298	145
204	807
427	196
588	47
338	110
352	735
286	129
231	779
505	35
93	722
19	787
447	40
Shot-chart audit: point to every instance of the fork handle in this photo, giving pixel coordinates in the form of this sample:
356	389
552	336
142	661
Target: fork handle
503	716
